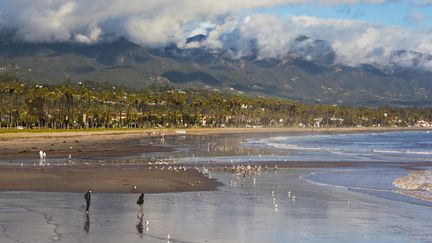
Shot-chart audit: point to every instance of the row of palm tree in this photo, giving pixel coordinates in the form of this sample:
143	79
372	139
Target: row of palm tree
94	105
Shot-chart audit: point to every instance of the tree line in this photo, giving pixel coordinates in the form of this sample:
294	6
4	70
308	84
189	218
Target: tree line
84	105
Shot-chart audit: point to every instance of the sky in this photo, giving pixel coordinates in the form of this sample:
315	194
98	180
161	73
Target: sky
407	14
355	31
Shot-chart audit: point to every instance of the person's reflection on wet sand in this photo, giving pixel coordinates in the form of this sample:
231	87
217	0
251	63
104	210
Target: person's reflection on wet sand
87	223
139	226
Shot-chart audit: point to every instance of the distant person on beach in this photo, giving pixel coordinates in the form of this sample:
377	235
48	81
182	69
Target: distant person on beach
41	154
87	197
140	203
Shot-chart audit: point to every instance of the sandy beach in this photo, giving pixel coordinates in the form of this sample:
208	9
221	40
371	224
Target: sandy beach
115	143
311	196
86	144
90	145
107	179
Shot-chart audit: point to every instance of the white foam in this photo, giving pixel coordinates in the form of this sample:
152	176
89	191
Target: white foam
417	184
403	152
418	180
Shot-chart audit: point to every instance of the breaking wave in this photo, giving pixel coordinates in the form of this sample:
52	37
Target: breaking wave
416	184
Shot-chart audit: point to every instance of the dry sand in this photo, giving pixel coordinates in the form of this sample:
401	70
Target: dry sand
78	144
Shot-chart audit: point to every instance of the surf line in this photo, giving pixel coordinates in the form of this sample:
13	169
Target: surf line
303	177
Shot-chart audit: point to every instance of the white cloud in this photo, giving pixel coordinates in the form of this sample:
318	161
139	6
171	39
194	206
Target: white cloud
49	20
156	23
91	37
58	20
354	42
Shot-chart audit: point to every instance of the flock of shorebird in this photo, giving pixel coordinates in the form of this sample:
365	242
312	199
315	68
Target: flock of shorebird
170	168
291	197
243	170
237	170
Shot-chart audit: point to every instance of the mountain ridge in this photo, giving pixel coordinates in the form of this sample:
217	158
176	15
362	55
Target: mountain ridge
306	74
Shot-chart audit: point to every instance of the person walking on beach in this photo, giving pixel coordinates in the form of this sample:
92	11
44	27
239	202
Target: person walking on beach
87	197
140	203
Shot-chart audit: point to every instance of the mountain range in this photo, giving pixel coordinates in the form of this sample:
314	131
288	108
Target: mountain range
307	74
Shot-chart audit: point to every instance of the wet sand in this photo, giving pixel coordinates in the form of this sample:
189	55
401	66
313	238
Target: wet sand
108	179
243	212
244	209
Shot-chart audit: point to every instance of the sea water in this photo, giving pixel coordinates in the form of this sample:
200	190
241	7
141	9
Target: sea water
386	154
386	146
388	149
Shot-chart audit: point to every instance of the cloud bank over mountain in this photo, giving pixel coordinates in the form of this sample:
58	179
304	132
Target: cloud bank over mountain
229	26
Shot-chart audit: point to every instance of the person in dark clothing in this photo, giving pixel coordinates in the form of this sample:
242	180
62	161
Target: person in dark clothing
140	203
87	197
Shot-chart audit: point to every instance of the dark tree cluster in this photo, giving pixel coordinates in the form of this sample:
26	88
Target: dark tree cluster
84	105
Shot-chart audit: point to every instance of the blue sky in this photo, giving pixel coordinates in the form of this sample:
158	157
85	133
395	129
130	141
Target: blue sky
397	13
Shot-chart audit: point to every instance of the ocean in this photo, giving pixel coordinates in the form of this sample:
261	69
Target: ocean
383	157
392	152
386	146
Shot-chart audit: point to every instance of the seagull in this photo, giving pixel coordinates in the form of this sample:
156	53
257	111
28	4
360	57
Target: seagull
293	197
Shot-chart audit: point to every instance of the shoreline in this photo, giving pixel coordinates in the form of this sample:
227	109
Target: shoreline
295	130
120	143
148	178
106	179
120	178
6	134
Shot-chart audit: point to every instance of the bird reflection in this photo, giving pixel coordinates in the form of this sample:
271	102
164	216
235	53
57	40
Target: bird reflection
87	223
139	226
